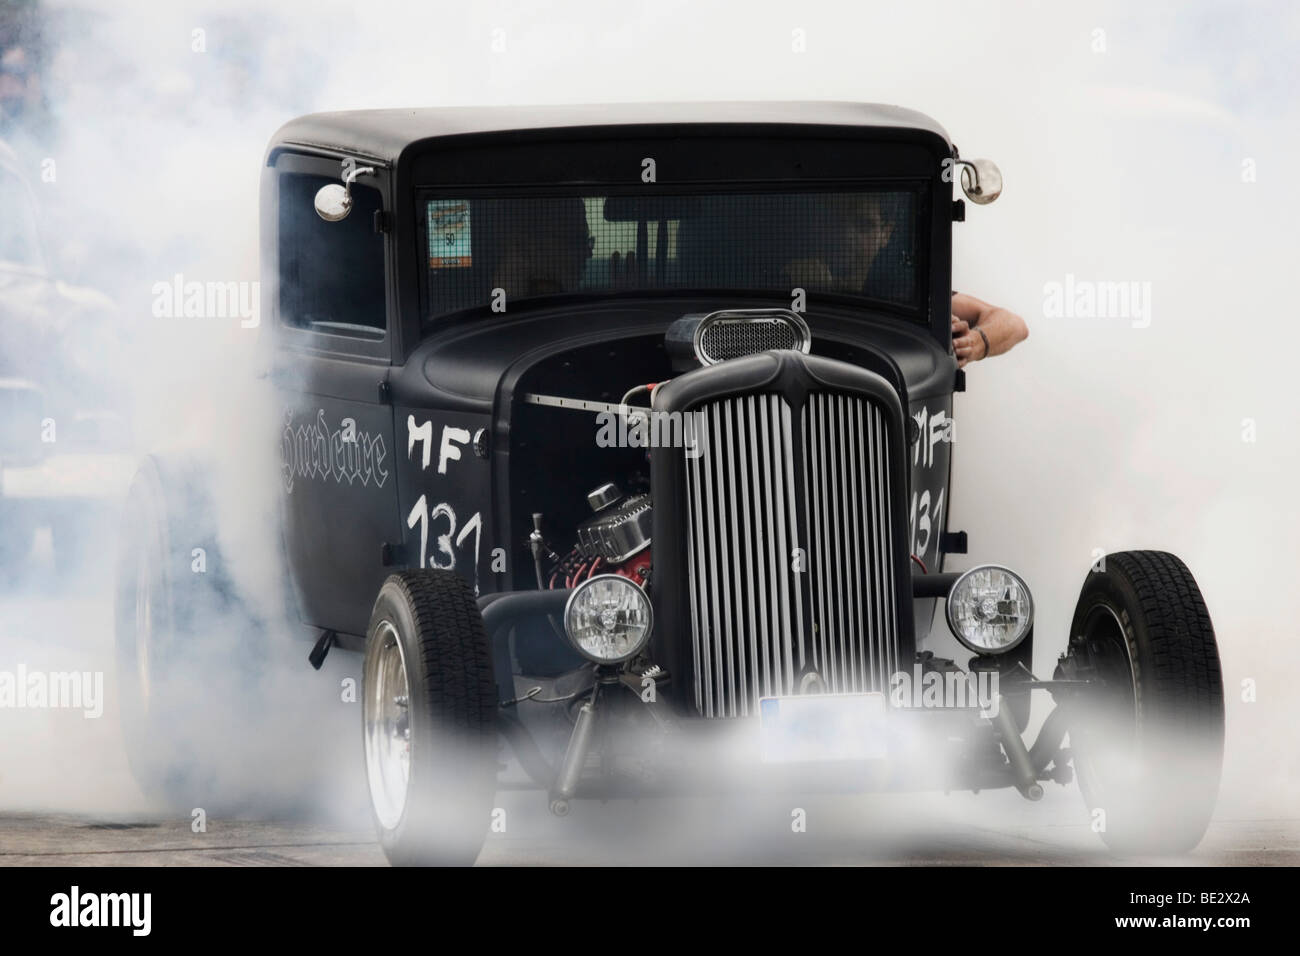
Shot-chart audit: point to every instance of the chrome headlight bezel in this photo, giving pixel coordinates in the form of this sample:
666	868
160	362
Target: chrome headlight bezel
573	605
953	607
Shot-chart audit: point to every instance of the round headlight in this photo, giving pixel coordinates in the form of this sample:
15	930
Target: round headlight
990	609
608	618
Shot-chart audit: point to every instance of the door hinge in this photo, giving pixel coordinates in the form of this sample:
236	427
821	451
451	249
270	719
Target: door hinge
385	393
383	221
953	542
959	380
959	210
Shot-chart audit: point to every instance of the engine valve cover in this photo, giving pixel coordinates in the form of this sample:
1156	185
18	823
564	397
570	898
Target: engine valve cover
618	531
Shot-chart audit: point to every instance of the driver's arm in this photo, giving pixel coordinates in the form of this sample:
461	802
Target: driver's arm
1002	329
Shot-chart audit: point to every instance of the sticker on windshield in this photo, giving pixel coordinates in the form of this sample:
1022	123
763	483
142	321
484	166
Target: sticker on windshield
449	242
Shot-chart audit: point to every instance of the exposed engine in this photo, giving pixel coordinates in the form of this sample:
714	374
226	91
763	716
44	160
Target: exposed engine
614	540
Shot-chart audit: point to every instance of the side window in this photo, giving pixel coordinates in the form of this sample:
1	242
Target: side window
331	273
19	239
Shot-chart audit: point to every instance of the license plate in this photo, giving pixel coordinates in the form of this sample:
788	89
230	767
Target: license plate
823	727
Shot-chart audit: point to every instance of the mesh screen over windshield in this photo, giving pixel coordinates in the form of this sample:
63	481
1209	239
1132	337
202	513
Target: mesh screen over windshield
861	243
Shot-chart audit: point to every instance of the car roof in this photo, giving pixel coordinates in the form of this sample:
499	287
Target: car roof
385	134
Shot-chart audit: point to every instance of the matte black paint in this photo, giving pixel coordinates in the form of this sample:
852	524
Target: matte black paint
466	373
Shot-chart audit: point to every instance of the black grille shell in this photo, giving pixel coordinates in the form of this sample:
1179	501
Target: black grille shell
799	452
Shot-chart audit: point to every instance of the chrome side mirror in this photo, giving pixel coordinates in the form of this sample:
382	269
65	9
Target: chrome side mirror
334	202
981	180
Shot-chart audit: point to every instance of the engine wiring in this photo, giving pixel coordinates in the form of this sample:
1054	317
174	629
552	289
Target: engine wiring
573	569
636	390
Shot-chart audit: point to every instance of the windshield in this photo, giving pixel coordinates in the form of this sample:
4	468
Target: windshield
486	250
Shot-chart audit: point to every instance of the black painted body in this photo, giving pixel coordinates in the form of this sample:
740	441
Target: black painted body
412	448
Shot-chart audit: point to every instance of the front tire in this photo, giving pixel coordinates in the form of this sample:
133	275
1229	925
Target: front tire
429	720
1147	731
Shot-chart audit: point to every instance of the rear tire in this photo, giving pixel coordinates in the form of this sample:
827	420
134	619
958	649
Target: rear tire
188	657
429	720
1147	733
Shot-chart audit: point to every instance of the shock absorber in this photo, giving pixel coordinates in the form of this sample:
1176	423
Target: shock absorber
575	756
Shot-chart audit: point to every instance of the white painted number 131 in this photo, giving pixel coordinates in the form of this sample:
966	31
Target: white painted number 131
444	555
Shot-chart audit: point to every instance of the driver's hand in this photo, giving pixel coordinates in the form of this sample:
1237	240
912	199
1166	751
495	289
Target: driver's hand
965	343
968	346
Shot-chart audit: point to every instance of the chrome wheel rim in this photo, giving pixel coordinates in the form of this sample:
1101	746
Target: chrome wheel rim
386	708
1106	767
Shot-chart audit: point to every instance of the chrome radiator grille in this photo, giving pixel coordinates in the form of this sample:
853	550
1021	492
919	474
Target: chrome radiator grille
747	618
789	550
851	574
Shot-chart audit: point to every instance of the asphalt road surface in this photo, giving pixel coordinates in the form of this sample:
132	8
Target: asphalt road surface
67	796
627	835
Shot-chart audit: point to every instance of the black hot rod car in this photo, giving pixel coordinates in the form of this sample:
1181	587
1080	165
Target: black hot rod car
617	440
